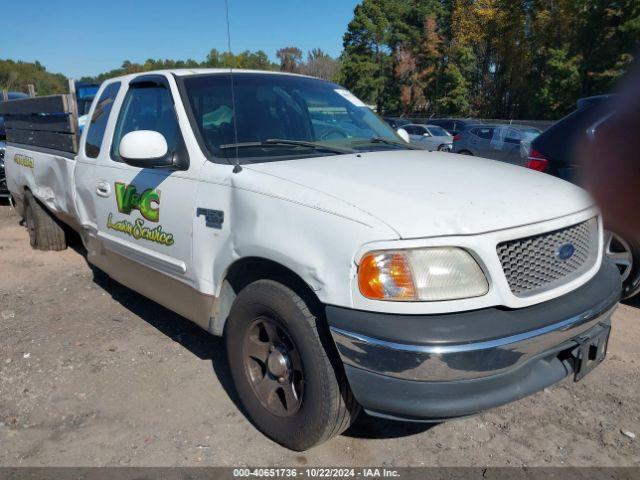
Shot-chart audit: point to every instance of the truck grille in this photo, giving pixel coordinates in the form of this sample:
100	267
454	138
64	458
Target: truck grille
543	262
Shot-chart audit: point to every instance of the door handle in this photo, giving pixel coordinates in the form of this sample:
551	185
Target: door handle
103	189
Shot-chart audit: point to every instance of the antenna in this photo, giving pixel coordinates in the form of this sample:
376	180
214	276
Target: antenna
236	167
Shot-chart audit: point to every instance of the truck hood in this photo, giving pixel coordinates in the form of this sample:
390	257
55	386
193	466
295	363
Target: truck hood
426	194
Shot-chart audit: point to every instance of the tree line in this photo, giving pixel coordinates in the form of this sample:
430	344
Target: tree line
488	58
521	59
16	75
290	59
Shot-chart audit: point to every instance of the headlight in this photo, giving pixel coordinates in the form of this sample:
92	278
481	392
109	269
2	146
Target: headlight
425	274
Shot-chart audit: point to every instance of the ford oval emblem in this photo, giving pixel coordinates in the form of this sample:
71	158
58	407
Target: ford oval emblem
566	251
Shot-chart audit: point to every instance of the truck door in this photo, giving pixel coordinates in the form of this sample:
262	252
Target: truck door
91	151
145	215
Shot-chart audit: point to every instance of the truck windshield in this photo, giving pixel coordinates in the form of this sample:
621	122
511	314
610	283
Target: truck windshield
301	112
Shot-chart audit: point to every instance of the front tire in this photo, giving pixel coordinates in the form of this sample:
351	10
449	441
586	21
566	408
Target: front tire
284	368
45	232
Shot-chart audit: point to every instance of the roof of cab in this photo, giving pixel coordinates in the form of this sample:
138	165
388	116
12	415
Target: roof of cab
185	72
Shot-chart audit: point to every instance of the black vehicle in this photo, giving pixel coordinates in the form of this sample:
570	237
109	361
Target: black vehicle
553	152
4	192
453	125
397	122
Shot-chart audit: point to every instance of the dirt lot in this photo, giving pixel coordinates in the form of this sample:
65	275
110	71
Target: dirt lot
94	374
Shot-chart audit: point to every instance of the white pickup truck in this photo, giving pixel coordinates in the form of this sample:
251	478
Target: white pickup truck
346	269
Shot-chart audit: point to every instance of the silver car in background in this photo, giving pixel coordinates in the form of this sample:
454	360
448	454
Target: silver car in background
507	143
430	137
4	192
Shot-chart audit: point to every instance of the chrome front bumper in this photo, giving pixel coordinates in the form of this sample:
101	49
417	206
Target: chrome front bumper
428	368
461	361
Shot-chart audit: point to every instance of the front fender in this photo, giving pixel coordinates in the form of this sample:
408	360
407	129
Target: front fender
317	246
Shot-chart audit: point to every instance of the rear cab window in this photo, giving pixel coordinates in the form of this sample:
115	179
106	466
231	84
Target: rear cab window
99	120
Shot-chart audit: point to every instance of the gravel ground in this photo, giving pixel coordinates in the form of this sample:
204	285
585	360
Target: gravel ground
93	374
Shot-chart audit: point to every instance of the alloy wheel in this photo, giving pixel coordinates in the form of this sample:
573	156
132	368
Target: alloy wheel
274	367
619	251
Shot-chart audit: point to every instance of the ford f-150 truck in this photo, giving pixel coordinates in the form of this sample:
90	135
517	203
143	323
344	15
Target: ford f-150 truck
346	269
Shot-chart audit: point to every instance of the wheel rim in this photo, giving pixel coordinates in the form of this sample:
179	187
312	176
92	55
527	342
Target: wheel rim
31	226
273	366
618	250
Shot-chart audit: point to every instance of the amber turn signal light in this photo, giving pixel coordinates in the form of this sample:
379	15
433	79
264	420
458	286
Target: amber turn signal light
386	276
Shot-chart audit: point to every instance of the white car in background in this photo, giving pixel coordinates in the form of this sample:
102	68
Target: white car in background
429	137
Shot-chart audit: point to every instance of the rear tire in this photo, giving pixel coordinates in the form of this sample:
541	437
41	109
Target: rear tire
45	231
465	152
284	367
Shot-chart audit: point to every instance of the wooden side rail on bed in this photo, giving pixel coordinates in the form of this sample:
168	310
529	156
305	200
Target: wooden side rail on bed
48	122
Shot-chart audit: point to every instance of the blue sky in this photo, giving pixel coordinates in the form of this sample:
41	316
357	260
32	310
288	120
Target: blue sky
87	37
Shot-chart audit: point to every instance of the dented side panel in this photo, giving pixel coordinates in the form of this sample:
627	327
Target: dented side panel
47	175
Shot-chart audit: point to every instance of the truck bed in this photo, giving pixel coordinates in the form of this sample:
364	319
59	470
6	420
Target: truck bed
47	174
42	142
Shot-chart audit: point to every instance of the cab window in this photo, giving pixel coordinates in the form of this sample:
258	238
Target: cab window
147	106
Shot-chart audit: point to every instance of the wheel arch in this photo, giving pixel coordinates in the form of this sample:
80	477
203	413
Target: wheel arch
247	270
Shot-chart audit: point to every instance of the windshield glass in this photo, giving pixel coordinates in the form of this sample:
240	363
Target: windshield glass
438	131
284	107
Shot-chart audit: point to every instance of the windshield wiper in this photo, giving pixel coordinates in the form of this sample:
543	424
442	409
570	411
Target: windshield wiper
277	142
389	142
393	142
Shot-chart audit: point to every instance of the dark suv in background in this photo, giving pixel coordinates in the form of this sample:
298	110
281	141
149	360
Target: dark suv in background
553	152
4	192
452	125
397	122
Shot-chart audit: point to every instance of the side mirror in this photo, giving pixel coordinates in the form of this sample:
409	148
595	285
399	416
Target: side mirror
426	134
147	149
404	135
